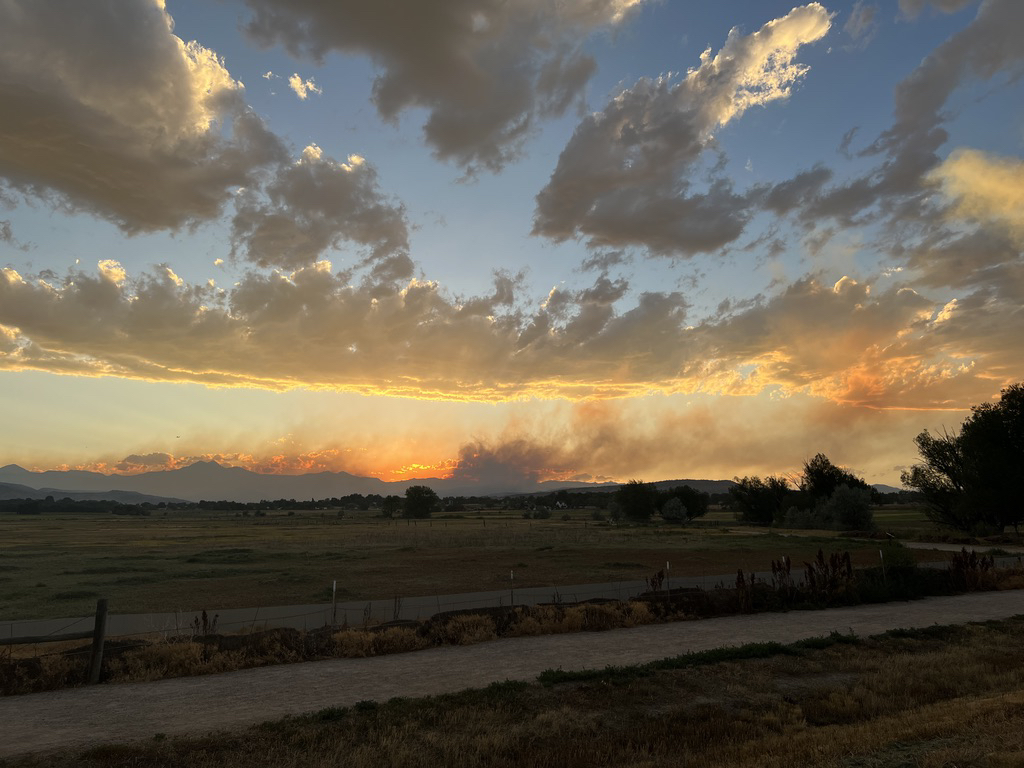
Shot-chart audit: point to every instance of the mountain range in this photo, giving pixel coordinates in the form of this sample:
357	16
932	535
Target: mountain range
10	491
216	482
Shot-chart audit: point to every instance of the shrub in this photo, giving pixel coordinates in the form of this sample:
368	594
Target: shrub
462	630
674	510
759	501
848	509
356	643
804	519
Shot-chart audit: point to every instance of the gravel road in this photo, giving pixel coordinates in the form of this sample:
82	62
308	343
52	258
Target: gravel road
196	705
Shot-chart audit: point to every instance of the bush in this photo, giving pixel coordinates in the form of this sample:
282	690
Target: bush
674	510
804	519
759	501
848	509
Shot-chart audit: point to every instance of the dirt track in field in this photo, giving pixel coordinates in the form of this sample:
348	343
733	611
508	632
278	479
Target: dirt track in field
196	705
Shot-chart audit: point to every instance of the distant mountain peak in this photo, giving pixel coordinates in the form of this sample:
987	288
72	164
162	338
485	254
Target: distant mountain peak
199	466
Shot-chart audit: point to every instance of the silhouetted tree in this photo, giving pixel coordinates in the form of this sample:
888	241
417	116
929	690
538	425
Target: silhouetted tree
974	479
848	509
637	499
692	503
390	505
420	501
759	501
821	477
674	510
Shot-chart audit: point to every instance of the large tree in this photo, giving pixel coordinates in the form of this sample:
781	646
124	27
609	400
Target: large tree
421	501
821	478
689	503
759	501
637	499
974	479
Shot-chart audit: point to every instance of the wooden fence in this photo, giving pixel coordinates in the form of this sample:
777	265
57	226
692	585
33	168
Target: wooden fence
98	635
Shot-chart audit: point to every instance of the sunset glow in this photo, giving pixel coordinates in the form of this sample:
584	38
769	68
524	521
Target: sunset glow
590	240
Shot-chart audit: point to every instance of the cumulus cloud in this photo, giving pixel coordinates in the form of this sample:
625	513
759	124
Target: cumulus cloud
145	462
303	88
793	193
984	187
624	177
107	111
312	206
845	343
485	70
980	259
989	45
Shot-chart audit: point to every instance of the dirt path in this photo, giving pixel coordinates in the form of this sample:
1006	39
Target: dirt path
131	711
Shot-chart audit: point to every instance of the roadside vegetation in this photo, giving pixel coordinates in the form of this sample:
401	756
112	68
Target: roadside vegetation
824	581
932	697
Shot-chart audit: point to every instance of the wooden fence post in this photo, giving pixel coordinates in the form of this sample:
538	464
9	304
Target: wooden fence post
98	636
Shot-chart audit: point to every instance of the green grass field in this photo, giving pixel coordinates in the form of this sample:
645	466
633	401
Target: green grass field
54	566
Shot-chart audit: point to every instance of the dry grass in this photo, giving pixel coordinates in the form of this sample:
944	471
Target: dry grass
156	659
53	566
928	698
160	658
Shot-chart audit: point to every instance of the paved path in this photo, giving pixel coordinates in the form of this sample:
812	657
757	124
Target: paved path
130	711
941	547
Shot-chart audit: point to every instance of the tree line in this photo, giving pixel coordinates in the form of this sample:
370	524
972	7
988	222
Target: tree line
823	496
970	479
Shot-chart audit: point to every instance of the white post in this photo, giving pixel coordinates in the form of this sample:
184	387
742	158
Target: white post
334	603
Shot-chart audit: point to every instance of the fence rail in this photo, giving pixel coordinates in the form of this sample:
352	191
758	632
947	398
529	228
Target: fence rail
36	639
98	635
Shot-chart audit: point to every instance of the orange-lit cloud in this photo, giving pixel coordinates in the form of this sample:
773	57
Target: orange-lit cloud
658	437
315	329
985	186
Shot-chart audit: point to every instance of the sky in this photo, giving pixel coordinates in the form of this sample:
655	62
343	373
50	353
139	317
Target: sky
506	241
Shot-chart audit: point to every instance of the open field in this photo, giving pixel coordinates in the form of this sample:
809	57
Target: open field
58	565
903	521
938	696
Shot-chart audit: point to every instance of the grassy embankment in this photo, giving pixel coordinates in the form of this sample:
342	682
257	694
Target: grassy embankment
943	696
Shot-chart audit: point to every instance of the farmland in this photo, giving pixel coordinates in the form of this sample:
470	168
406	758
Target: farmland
58	565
